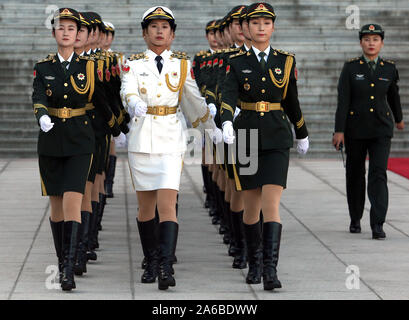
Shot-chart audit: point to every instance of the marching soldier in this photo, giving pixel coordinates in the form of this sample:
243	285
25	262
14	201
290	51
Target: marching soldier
159	90
368	106
63	85
264	81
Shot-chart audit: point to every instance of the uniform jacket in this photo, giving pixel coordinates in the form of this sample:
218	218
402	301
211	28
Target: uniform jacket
162	134
367	102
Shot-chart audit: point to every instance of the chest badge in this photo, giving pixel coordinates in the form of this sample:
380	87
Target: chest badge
81	76
247	86
48	92
359	77
278	71
174	74
246	71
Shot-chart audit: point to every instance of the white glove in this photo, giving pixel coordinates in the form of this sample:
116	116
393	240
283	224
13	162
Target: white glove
217	136
213	109
236	113
139	107
228	132
45	123
302	145
120	141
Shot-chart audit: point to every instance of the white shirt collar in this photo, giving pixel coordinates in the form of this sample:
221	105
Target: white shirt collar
62	59
257	51
236	45
212	51
245	47
152	55
89	51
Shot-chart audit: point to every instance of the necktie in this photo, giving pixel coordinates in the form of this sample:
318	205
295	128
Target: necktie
372	66
262	60
64	65
159	63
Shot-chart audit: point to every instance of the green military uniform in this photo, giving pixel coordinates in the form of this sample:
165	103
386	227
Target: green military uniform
266	98
368	106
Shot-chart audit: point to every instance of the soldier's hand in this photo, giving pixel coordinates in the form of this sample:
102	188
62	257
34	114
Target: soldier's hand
400	125
136	107
217	136
228	132
337	139
213	109
303	145
120	141
45	123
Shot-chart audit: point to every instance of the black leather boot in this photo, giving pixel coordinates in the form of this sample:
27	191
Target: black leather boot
240	256
93	229
168	235
149	243
227	237
70	244
101	208
271	249
57	229
110	175
81	262
213	201
77	269
254	253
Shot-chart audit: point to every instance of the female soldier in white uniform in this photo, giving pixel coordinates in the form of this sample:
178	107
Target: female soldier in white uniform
159	91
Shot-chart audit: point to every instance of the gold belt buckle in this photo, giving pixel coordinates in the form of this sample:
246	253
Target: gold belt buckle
161	111
262	106
64	113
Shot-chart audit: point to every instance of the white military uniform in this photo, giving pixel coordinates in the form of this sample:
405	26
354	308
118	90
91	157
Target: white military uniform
157	143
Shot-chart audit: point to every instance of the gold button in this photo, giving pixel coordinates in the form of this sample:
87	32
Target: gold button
263	91
283	117
371	110
262	114
387	113
247	79
159	95
154	117
66	84
159	84
263	79
93	117
143	83
86	122
372	85
63	120
351	113
372	97
65	96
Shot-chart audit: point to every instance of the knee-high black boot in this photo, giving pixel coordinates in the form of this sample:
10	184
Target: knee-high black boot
206	188
101	208
271	248
93	228
254	253
240	256
70	244
57	231
213	202
81	261
110	175
168	235
149	243
227	237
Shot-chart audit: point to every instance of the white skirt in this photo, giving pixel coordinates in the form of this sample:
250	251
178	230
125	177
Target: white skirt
155	171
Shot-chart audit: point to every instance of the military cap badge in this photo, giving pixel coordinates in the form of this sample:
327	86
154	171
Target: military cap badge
371	27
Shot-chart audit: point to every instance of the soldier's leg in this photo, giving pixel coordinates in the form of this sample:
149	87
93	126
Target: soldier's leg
271	195
237	207
356	151
57	227
252	231
227	212
147	227
168	234
379	150
111	170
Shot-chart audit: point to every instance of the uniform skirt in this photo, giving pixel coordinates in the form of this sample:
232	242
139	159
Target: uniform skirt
272	168
155	171
64	174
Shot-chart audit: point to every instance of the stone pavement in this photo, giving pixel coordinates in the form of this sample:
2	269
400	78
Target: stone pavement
315	252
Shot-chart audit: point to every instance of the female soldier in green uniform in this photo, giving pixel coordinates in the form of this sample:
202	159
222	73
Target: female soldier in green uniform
364	123
63	85
263	80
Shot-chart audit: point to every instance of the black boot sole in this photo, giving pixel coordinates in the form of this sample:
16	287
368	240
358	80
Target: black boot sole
165	284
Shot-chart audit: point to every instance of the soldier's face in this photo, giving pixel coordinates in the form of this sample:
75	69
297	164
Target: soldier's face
371	44
219	39
227	38
261	29
82	38
109	40
236	32
211	38
159	33
245	28
65	33
102	39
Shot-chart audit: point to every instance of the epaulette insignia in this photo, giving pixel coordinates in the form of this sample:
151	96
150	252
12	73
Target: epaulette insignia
285	52
137	56
180	55
88	58
238	54
354	59
390	61
50	57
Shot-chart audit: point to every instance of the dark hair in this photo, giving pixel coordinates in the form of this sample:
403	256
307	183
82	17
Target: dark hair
146	23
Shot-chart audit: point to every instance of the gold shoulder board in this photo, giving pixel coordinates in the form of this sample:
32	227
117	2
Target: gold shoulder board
50	57
285	52
237	54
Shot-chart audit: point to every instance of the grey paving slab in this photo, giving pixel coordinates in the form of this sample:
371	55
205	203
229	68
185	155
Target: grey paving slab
315	252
